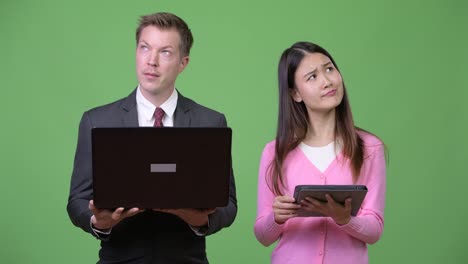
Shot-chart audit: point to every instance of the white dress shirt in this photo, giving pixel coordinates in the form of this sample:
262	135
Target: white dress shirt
146	109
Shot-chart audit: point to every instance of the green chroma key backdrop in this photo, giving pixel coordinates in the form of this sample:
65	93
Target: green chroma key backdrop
404	63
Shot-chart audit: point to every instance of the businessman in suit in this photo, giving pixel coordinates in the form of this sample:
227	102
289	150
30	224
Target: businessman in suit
133	235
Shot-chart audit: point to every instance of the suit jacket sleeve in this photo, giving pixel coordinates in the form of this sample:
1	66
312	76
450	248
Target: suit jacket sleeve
224	216
81	190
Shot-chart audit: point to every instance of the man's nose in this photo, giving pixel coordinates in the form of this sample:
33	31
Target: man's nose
153	59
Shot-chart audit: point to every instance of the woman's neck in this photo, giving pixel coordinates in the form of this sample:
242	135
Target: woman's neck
321	130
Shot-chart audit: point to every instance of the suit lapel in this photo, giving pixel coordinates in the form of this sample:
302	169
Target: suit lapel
129	111
182	112
130	114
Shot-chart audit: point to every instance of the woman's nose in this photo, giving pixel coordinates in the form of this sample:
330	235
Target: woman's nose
326	81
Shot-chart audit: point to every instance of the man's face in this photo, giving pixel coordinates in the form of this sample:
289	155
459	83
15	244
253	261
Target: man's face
159	61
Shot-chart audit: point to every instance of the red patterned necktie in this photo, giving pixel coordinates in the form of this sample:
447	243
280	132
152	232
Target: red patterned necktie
158	117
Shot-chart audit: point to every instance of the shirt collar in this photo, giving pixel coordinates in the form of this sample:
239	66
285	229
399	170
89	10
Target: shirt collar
147	108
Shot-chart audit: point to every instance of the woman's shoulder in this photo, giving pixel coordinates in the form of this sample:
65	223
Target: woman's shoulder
372	143
268	153
368	138
269	147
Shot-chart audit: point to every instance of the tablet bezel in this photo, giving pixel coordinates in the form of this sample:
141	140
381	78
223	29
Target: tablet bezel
339	193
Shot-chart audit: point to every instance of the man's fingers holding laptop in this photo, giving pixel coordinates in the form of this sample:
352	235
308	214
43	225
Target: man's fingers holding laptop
193	217
106	219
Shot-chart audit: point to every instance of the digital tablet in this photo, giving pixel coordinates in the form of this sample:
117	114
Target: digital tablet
339	193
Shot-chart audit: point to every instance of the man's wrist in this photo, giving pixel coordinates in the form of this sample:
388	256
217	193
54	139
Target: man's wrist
200	230
100	230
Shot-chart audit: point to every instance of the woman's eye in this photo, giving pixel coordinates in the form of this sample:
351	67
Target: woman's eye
312	77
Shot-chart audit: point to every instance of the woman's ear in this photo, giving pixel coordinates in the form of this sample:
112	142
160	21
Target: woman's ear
295	95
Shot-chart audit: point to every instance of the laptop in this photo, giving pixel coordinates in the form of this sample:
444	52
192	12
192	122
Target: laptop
165	168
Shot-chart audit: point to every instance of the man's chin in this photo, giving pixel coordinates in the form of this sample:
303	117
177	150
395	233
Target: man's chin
151	89
155	90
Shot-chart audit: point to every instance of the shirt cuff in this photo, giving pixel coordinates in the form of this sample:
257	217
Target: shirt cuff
352	225
99	233
200	230
272	225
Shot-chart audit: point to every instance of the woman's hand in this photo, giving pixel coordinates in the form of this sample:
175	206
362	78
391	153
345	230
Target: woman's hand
341	214
284	208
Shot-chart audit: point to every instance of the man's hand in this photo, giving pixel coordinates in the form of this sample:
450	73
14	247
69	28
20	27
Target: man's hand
284	208
104	219
339	213
193	217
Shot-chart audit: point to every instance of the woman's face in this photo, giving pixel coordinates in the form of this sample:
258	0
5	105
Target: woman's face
318	83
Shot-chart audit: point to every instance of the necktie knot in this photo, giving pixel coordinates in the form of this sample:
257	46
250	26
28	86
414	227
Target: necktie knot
158	117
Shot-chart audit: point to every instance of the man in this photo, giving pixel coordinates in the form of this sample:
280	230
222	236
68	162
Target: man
132	235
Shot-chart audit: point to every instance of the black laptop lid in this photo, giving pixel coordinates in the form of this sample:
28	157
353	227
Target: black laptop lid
169	167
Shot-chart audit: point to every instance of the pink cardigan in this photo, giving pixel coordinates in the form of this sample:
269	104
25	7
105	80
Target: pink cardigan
319	239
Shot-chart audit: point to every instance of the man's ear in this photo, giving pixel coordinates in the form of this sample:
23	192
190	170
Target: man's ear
183	63
295	95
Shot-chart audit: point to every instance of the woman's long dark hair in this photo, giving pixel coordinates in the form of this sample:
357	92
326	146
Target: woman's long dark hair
293	119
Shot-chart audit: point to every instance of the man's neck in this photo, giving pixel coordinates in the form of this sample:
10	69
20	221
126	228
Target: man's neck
157	99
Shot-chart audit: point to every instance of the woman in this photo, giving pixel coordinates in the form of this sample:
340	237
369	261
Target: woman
318	143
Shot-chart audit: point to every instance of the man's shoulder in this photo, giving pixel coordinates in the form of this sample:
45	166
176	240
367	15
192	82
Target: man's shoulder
200	115
113	114
122	104
189	112
200	109
110	107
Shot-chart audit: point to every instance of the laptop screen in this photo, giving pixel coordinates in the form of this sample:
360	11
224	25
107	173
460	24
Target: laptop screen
168	167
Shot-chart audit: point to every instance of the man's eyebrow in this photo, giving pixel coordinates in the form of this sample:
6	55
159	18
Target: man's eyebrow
167	46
